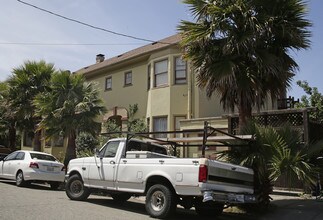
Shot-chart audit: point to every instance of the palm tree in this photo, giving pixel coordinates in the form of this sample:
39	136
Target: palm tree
69	106
273	154
7	117
239	49
27	81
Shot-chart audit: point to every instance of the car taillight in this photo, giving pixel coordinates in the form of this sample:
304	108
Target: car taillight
203	173
63	168
33	165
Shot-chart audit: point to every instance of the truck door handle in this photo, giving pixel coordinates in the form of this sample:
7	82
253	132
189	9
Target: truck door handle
112	162
125	161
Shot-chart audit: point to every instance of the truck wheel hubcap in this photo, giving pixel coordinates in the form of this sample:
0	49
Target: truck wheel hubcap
158	201
76	187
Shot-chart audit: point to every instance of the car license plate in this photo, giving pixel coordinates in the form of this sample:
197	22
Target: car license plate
51	169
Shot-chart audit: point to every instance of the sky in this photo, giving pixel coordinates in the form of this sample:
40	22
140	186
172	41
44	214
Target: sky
31	34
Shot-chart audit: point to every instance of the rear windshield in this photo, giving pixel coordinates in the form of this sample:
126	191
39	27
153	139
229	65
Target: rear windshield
42	157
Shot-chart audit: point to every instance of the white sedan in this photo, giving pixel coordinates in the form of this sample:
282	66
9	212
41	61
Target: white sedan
32	166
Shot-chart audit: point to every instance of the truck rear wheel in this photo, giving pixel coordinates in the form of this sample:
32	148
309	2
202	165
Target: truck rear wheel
75	189
207	209
160	201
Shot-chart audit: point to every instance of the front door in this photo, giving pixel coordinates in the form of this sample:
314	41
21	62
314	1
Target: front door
102	171
7	171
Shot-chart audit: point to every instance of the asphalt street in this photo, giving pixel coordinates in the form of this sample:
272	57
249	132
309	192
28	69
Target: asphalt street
40	202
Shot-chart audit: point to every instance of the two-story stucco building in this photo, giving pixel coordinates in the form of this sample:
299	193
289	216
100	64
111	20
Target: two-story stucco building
160	83
158	80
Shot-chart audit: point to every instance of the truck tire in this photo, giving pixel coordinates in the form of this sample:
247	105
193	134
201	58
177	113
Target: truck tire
160	201
75	189
121	198
208	209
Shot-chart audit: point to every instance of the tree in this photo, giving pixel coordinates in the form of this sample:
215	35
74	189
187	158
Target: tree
239	49
69	107
7	117
134	125
275	153
25	84
313	98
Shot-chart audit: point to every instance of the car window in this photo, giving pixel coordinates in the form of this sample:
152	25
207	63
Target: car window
20	156
11	156
36	156
110	149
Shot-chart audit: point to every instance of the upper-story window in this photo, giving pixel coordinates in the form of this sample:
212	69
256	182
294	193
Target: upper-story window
108	83
180	71
161	73
128	78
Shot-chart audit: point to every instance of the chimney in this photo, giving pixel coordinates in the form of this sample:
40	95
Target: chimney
99	58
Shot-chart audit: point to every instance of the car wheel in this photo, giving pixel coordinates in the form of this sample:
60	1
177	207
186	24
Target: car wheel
121	198
160	201
54	185
75	189
20	181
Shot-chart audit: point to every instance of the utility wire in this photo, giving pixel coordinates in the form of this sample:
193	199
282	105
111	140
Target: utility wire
66	44
91	26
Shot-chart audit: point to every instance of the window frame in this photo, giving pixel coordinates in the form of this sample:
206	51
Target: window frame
153	126
106	83
176	79
156	74
149	77
125	78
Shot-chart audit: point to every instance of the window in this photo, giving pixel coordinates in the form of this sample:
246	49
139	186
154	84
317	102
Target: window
161	73
20	156
36	156
11	156
108	83
149	77
128	78
180	71
110	150
160	124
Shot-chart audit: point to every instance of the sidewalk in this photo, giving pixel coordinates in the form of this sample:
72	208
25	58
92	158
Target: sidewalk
289	205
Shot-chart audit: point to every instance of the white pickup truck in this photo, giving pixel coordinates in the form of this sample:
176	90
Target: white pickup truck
125	168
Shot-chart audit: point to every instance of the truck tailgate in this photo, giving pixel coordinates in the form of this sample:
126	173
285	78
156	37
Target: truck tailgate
225	177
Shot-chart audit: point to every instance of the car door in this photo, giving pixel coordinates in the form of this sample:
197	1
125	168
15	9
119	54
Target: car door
7	166
102	172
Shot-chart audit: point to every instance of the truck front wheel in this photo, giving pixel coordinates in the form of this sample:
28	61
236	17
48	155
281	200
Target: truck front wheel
160	201
75	189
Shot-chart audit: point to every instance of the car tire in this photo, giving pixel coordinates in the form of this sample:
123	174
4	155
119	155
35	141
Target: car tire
75	189
160	201
121	198
54	185
20	181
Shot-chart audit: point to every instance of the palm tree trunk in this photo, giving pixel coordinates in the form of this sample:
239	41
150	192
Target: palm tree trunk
12	136
245	111
37	142
71	148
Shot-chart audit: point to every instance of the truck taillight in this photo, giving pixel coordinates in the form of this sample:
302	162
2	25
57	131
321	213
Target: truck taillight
203	173
33	165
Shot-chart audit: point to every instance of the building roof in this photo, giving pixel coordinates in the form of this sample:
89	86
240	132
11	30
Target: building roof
162	44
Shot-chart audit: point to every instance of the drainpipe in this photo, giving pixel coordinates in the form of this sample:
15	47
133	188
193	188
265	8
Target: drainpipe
189	95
